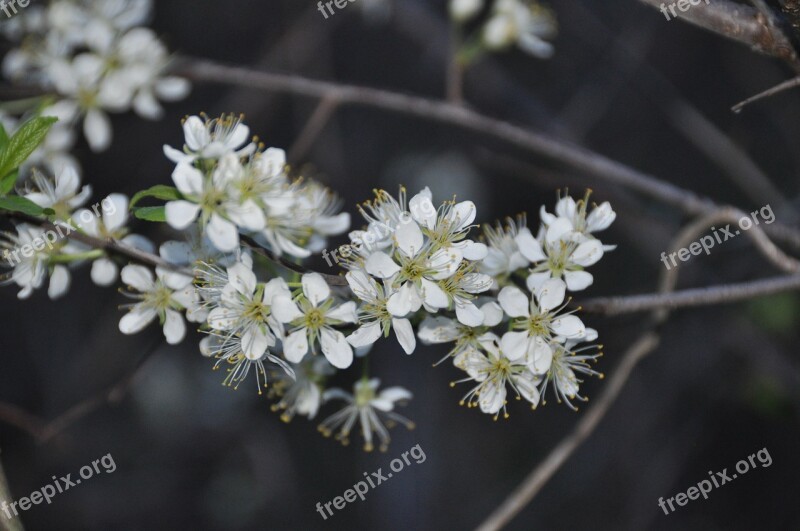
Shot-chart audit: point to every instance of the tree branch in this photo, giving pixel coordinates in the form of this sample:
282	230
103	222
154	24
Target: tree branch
692	297
429	109
740	23
7	524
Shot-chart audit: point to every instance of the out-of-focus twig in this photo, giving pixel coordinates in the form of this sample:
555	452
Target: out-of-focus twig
316	123
575	156
7	524
741	23
777	89
43	431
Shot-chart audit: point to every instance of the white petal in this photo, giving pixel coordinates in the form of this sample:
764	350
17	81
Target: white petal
172	88
409	238
492	314
222	233
59	282
104	272
345	313
535	280
138	277
115	211
395	394
559	229
578	280
295	346
336	348
588	253
274	288
514	302
194	129
529	246
366	334
147	106
551	294
469	314
135	320
285	310
181	214
569	326
433	295
254	343
514	345
188	179
474	251
174	327
242	278
492	398
379	264
404	300
315	288
405	334
462	215
422	210
541	356
445	262
97	129
67	182
601	218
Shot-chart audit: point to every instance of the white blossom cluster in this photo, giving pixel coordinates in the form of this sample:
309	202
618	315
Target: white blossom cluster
523	23
93	57
501	299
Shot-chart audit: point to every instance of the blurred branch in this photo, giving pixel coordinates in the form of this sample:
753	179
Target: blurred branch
559	455
45	431
316	123
332	280
777	89
727	293
751	26
440	111
7	524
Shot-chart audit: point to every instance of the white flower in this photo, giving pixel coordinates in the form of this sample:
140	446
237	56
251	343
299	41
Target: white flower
461	289
209	197
600	218
463	10
503	256
563	252
313	320
301	395
157	299
29	272
244	310
536	324
374	411
493	371
376	319
110	226
566	363
61	195
439	329
212	139
522	22
230	353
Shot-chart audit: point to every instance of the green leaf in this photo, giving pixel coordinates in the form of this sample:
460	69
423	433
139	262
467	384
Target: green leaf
7	183
3	138
24	142
15	203
151	213
160	191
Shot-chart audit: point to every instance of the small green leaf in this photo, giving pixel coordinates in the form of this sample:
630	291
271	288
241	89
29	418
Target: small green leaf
15	203
151	213
3	138
24	142
7	183
160	191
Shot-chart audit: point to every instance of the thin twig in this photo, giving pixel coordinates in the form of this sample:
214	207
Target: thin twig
777	89
740	23
574	156
724	294
332	280
316	123
7	524
43	432
559	455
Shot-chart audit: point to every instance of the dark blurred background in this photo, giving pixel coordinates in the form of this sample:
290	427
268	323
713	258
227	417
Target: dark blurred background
725	382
